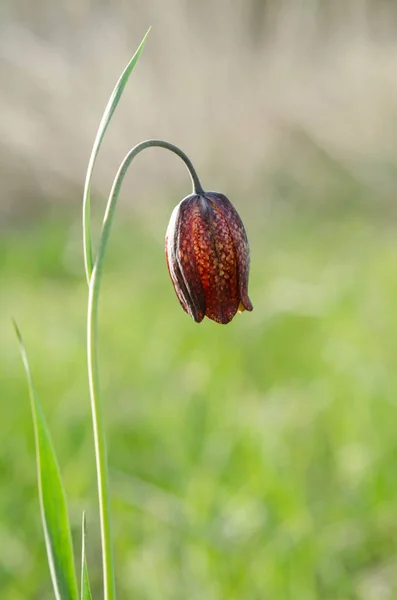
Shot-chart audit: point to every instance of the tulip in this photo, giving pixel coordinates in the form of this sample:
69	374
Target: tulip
208	257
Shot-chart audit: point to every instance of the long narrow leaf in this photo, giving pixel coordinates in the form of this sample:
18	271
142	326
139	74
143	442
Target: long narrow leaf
85	584
107	115
52	498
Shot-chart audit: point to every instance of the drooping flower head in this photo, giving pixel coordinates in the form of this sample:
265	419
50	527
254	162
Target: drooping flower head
208	257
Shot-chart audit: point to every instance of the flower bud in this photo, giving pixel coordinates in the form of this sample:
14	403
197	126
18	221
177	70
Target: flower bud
208	257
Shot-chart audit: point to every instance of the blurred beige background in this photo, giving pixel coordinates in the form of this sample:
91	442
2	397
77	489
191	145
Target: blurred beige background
265	96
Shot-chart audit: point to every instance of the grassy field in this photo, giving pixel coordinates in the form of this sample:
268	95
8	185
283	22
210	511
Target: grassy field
256	461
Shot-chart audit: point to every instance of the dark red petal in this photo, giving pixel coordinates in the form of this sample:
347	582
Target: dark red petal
216	261
176	278
181	260
240	241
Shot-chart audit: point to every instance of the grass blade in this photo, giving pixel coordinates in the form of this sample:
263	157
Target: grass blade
85	584
52	498
107	115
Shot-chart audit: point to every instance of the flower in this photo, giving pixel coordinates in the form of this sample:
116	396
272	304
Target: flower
208	257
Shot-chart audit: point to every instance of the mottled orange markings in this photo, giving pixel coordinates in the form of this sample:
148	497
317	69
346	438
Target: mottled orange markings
208	257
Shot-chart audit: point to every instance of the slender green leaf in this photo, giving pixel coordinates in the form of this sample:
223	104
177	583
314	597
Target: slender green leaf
52	498
107	115
85	584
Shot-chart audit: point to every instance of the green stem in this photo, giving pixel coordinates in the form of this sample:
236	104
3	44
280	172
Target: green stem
92	355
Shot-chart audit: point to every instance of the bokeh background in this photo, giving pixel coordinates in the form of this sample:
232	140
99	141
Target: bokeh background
254	461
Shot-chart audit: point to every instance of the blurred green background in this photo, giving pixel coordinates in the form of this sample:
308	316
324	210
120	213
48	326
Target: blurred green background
253	461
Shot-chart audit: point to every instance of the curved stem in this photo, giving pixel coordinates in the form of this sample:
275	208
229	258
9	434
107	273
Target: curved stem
197	189
111	205
92	355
